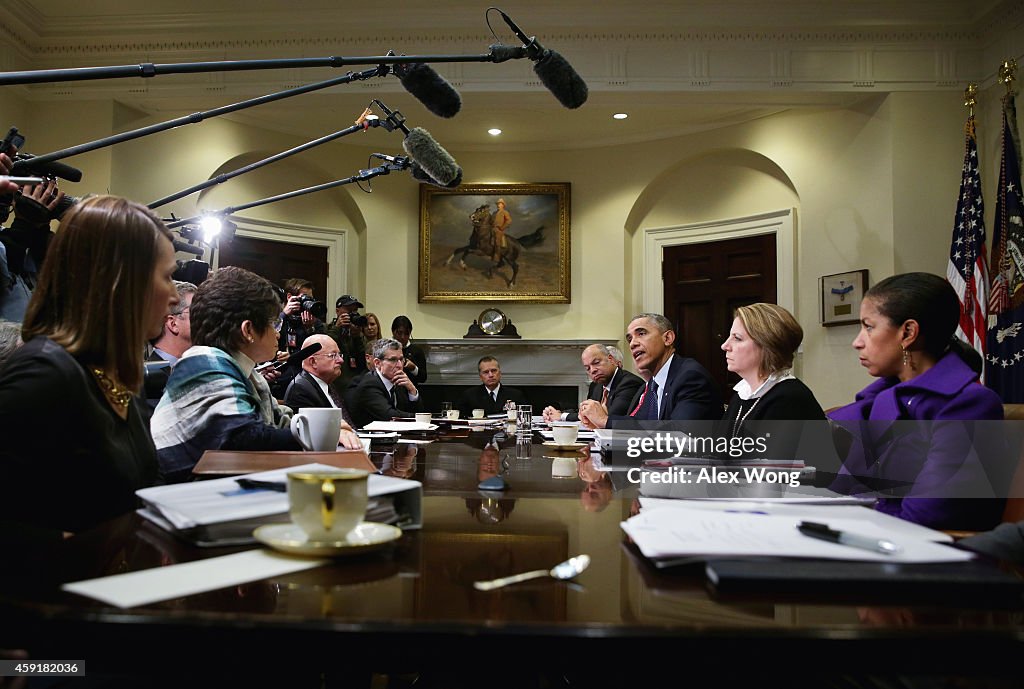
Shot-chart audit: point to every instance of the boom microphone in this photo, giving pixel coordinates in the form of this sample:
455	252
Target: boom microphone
429	88
23	165
432	159
295	358
553	70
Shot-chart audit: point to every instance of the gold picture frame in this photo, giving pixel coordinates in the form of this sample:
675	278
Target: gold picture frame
457	258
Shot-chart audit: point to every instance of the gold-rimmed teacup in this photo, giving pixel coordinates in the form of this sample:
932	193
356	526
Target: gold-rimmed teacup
327	505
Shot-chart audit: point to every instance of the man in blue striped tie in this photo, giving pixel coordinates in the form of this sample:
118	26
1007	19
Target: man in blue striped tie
678	388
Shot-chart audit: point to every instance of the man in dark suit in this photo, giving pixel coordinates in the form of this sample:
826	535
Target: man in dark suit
415	359
386	392
678	388
612	386
492	395
174	339
314	386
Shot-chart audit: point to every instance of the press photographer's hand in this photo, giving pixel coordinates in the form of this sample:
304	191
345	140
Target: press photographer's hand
293	306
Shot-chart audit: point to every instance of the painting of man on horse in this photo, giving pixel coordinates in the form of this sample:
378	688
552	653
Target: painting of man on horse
515	245
486	240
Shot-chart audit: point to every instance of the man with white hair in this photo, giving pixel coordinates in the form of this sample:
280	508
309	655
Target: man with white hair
314	386
611	385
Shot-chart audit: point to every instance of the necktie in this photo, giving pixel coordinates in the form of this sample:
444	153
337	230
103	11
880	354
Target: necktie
604	397
648	408
494	395
336	398
394	399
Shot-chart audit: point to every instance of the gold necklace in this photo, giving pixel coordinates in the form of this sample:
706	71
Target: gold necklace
120	396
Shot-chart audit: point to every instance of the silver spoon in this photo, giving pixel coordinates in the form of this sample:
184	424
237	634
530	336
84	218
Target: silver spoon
564	570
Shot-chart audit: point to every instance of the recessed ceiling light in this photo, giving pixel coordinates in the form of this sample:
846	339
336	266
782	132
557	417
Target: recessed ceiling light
494	131
620	116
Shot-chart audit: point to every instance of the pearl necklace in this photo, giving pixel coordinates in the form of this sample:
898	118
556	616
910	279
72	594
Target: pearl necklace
740	419
118	395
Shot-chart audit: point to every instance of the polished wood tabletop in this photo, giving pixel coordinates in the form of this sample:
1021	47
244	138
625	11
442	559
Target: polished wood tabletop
413	604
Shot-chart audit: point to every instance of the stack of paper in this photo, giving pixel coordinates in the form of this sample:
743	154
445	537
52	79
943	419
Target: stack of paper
685	531
219	512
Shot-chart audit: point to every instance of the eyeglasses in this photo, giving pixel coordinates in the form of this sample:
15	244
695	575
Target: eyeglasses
183	313
393	359
332	355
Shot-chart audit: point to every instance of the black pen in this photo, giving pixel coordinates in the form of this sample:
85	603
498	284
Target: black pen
824	533
253	484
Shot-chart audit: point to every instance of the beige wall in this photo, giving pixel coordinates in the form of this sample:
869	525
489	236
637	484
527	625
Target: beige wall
873	186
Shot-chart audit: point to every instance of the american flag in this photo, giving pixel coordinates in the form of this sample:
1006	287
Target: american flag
1005	360
967	270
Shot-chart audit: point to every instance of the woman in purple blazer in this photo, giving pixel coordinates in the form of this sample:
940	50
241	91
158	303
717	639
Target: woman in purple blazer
914	443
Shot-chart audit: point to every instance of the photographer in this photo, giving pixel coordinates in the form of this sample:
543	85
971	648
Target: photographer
303	316
23	245
347	331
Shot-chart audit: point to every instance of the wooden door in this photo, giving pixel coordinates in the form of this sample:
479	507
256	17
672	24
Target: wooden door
279	261
703	284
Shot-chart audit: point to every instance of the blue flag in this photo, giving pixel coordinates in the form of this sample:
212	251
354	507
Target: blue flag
1005	361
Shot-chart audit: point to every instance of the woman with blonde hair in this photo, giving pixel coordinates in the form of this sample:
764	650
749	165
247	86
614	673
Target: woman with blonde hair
77	445
760	349
371	331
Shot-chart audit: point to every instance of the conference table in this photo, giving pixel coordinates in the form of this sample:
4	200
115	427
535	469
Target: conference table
412	607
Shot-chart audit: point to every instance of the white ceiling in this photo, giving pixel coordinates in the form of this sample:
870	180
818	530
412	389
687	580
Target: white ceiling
676	66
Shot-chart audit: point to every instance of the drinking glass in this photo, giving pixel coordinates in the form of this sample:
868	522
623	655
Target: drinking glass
524	420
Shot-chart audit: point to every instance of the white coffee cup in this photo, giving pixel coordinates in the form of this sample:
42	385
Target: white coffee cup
317	428
563	467
453	414
423	417
510	415
478	413
327	505
564	432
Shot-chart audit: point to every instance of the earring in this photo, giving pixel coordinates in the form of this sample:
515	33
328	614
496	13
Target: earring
906	357
251	340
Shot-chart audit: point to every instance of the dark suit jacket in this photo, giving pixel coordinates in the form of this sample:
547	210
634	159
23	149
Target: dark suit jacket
371	401
303	391
624	386
420	359
689	394
478	398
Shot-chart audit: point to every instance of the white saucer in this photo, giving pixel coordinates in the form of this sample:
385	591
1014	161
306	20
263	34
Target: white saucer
568	446
290	538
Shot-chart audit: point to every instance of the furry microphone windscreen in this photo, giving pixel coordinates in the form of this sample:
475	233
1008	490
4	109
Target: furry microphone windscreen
555	72
430	88
432	158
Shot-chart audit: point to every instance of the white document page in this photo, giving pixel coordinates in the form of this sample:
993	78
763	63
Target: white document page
700	532
178	581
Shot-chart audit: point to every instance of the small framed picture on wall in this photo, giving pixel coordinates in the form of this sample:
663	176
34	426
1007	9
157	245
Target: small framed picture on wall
840	297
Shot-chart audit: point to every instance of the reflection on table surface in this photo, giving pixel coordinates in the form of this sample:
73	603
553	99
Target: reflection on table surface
422	587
